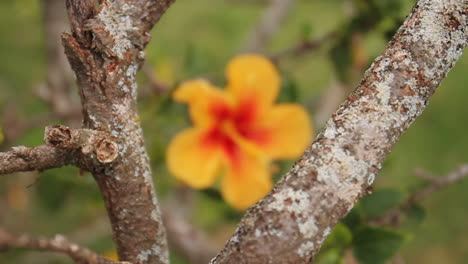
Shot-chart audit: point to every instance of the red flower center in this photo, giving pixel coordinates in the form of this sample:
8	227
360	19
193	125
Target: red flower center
243	119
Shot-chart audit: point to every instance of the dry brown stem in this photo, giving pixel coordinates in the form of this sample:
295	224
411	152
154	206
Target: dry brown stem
59	243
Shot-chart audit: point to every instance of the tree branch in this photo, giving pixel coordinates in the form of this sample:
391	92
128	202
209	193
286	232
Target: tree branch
105	50
39	158
268	25
58	92
64	146
186	239
58	244
439	183
303	46
290	224
394	216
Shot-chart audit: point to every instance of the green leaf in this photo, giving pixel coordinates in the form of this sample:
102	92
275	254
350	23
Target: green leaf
332	256
341	57
307	30
354	219
376	245
415	215
340	237
289	89
380	202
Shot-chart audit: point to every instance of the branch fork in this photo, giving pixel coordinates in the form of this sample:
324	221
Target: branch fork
89	141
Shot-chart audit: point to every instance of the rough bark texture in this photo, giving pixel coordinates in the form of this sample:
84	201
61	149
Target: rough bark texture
105	49
290	224
39	158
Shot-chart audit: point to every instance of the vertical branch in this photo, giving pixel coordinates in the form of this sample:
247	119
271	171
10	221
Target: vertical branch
291	223
105	50
58	89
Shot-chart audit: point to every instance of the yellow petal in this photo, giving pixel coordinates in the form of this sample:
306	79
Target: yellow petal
289	131
207	103
191	161
112	255
246	183
253	77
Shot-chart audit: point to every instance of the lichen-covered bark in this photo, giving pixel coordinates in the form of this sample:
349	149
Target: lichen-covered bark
105	49
39	158
290	224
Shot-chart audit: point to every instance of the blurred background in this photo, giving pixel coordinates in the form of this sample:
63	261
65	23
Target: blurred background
321	48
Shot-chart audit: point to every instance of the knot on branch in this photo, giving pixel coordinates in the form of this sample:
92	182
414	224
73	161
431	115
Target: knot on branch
57	136
107	151
87	140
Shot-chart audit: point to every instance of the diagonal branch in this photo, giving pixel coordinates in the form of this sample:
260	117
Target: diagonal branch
290	224
59	243
303	47
394	216
439	183
269	24
186	239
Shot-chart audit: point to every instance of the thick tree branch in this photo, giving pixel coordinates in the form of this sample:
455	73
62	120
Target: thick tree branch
105	66
39	158
58	244
64	146
290	224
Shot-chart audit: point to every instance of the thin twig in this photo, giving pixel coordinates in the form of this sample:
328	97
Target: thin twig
58	90
59	243
395	216
439	183
155	85
188	240
268	25
14	126
304	46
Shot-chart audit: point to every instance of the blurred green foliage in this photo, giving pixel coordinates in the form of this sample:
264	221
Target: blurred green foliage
196	39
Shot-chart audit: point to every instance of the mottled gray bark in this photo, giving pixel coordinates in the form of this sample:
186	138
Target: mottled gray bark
290	224
39	158
105	49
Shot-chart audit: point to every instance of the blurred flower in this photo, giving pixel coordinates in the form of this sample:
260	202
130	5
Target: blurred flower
237	131
112	255
17	196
